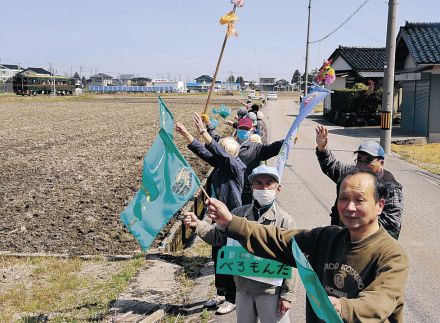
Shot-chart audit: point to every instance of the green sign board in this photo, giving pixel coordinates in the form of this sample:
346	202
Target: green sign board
237	261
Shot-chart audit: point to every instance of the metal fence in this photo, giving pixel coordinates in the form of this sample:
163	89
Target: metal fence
117	89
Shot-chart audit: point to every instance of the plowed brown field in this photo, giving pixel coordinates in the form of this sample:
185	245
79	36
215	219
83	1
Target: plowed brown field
69	166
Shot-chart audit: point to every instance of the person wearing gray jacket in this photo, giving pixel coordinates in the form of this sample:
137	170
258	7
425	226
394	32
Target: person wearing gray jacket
254	299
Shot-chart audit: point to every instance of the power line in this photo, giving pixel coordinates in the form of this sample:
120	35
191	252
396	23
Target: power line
340	26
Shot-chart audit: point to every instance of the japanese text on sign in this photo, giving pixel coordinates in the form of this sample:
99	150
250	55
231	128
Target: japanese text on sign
237	261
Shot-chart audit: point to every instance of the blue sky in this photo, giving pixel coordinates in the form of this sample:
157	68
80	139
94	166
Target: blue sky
182	38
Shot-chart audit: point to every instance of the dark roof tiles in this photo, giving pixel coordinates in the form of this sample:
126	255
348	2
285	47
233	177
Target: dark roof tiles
423	41
11	67
362	58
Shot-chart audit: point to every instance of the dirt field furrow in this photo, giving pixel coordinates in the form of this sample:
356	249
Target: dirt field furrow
69	166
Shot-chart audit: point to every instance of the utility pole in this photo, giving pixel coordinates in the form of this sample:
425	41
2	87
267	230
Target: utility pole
306	73
386	116
53	74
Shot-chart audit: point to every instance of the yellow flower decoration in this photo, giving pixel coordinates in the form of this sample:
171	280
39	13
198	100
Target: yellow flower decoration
230	19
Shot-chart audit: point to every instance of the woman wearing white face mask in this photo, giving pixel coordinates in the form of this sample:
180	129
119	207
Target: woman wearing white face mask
255	299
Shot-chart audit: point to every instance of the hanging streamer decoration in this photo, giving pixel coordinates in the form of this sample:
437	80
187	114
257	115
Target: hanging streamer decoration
326	74
230	19
223	111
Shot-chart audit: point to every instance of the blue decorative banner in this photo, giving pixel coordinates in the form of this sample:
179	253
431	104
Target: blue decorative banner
307	105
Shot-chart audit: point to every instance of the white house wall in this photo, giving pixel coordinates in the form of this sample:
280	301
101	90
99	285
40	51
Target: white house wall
176	85
435	70
6	73
340	65
339	83
409	62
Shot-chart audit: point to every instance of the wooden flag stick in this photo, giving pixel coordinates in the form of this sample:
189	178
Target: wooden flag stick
217	68
204	192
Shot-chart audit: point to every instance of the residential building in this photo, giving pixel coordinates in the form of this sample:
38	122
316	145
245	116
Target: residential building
418	75
176	86
36	70
100	79
7	71
126	79
206	79
141	81
266	83
283	85
357	65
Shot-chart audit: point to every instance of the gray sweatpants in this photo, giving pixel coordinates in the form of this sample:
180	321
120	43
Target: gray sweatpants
264	307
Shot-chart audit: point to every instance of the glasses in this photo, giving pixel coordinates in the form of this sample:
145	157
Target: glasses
365	160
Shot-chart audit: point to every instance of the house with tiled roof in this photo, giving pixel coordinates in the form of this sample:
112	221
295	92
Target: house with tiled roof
282	85
206	79
357	65
36	70
418	74
7	71
100	79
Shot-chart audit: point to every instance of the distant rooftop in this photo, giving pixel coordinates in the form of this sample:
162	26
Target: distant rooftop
11	67
101	75
362	58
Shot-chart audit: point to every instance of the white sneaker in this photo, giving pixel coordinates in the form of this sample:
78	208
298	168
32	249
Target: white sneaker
215	301
225	308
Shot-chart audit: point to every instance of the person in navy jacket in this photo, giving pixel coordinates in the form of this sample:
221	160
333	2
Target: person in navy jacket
225	184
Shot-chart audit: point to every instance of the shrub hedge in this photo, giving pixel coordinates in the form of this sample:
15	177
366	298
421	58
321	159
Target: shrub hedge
352	107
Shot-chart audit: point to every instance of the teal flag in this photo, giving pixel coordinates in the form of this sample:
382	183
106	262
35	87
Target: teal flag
166	118
316	294
168	182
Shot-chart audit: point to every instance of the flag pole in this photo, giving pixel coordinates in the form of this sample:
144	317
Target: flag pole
204	192
217	68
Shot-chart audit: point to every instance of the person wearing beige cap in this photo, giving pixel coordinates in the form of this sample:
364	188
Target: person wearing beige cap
268	301
362	269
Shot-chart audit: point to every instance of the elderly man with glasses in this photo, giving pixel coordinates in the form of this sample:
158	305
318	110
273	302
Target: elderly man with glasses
370	156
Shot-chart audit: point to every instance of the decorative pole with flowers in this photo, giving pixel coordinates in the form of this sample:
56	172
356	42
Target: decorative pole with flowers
228	19
326	76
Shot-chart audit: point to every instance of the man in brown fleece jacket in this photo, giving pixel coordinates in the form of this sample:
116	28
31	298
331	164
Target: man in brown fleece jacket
362	268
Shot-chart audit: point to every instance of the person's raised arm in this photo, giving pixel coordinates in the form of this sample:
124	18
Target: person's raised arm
262	240
195	146
200	125
330	166
267	151
321	137
180	129
209	233
243	103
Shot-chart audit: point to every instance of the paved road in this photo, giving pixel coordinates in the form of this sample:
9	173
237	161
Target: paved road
308	195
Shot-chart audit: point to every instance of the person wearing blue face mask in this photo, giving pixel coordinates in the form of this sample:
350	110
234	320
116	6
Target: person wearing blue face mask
252	154
243	135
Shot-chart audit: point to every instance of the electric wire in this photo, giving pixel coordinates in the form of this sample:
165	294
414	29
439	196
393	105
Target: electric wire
342	24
